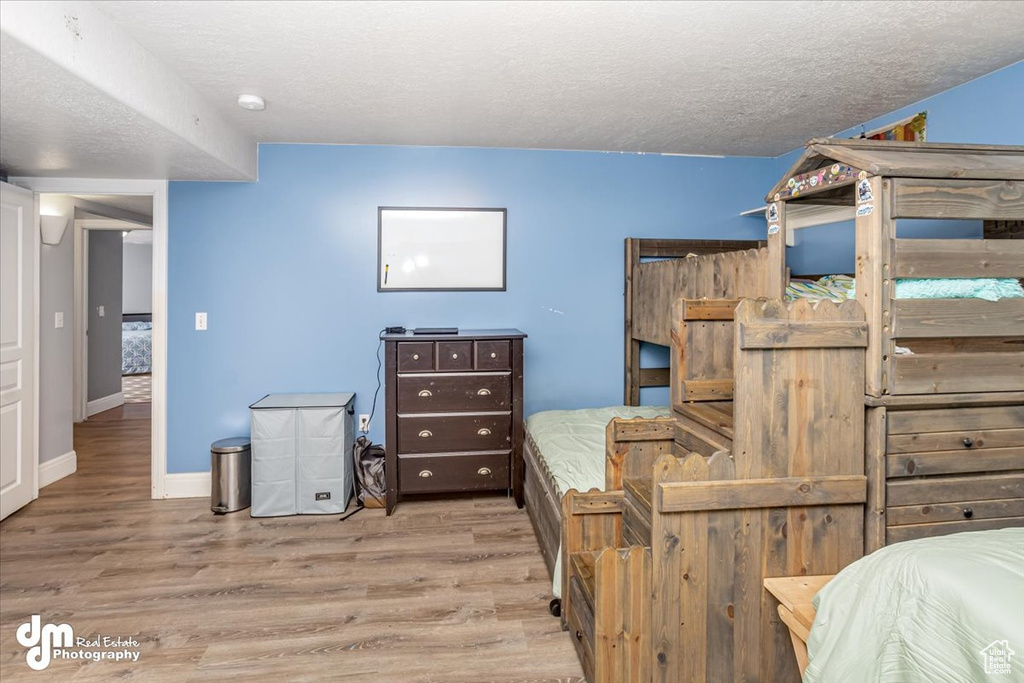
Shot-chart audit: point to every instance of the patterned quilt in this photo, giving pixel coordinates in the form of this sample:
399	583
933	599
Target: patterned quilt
136	348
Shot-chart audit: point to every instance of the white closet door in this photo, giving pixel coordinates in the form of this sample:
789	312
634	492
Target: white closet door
18	333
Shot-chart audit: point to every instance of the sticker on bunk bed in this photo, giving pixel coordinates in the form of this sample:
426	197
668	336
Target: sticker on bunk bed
773	213
864	191
865	209
772	229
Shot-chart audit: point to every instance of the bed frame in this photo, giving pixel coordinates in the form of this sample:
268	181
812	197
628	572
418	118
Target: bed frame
927	444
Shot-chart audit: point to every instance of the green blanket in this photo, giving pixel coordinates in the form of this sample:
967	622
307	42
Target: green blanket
571	442
933	610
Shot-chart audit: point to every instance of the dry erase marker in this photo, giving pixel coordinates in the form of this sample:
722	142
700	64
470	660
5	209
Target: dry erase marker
385	273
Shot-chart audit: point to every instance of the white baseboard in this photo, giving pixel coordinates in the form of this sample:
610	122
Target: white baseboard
187	485
105	403
58	468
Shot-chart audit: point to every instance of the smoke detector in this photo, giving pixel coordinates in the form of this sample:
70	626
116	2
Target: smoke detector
251	102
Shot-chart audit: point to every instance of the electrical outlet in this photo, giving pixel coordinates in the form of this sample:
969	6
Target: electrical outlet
364	423
201	321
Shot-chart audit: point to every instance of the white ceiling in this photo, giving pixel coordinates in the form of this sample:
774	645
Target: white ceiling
735	78
141	204
148	89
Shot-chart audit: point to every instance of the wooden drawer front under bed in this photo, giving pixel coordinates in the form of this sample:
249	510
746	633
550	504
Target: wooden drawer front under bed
581	618
453	472
442	393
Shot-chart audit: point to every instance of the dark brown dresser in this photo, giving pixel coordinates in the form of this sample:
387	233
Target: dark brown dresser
454	413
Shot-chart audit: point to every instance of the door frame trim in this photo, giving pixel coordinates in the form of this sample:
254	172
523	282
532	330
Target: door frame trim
158	190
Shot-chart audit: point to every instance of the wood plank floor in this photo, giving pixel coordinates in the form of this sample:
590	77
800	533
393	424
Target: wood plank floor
446	591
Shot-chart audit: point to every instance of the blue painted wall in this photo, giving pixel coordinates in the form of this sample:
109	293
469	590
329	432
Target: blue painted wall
286	269
985	111
286	266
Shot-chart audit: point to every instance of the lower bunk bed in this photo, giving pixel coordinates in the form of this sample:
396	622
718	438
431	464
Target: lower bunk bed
566	449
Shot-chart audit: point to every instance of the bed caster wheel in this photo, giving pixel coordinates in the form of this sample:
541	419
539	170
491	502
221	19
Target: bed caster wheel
555	607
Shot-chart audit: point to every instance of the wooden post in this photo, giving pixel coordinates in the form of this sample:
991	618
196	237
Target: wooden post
777	279
874	270
632	347
874	467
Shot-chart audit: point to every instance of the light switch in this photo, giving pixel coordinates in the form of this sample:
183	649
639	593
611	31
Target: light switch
201	321
102	310
58	320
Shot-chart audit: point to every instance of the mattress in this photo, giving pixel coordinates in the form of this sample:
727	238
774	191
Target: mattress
572	445
136	348
946	609
842	287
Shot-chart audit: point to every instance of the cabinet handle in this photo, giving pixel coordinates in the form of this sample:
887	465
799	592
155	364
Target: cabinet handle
426	473
455	356
968	442
483	392
483	431
415	356
494	355
425	393
426	434
579	636
968	513
483	471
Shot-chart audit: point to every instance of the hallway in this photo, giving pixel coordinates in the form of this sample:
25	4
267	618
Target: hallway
452	591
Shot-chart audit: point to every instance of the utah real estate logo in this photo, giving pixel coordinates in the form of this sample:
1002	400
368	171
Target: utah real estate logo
996	657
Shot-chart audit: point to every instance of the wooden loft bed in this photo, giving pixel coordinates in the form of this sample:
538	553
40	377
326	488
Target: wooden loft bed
917	445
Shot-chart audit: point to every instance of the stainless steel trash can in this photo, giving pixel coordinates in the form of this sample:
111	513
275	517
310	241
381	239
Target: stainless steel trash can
230	475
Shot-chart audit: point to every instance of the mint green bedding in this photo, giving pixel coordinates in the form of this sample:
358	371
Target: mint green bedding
922	612
571	443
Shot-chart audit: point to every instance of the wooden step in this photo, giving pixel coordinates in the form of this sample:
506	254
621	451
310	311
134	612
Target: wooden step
583	570
638	491
715	415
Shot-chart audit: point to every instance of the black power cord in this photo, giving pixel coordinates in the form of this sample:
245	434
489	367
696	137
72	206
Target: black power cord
369	420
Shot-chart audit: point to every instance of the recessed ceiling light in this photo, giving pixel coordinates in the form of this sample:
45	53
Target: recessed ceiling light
251	102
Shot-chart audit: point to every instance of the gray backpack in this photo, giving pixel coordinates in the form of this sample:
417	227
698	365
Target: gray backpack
369	470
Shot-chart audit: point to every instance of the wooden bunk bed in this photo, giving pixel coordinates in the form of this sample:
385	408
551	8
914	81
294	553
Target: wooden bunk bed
936	440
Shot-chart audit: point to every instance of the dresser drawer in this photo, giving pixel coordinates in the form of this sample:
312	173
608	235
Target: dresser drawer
446	433
477	392
415	356
453	472
951	429
493	355
454	355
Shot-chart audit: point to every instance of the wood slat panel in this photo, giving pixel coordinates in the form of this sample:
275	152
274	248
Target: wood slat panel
654	377
597	503
896	534
707	389
955	372
954	462
928	318
995	417
981	398
815	335
961	440
708	309
957	198
953	512
761	493
953	489
959	258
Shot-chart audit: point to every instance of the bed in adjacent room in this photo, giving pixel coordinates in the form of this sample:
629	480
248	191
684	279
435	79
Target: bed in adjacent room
565	449
136	343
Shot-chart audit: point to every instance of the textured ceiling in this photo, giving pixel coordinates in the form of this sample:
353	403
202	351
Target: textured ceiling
736	78
141	204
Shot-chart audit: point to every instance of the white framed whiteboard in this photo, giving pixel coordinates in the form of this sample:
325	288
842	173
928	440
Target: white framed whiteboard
440	249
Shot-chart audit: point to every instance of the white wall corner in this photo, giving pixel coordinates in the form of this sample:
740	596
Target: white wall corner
187	485
57	468
105	403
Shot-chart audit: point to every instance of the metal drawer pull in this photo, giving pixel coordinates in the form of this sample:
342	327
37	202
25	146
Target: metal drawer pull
455	356
494	355
426	433
968	442
425	393
483	431
483	392
483	471
415	356
426	473
968	513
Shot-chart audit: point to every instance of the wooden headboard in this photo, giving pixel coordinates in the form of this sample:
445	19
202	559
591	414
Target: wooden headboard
651	291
